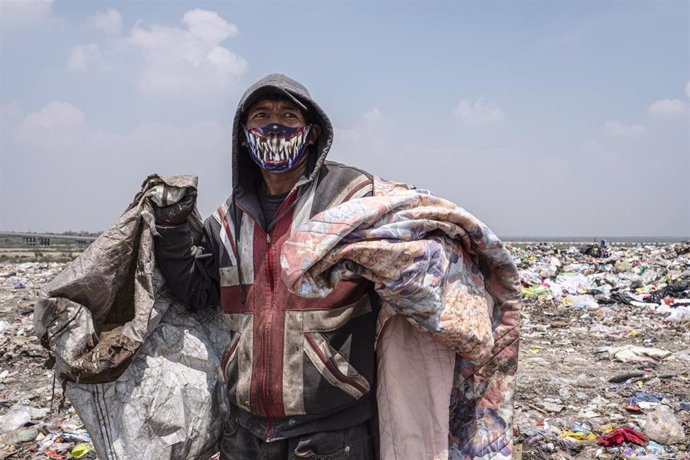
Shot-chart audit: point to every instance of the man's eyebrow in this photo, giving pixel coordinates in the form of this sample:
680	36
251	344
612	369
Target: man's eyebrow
267	106
291	106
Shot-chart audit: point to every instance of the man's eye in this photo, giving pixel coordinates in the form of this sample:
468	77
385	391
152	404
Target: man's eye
259	115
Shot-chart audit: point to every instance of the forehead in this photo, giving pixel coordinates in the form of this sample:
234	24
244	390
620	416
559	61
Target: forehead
273	103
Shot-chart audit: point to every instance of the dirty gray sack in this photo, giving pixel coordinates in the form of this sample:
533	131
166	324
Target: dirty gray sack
140	370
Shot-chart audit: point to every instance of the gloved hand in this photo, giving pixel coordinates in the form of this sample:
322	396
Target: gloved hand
176	213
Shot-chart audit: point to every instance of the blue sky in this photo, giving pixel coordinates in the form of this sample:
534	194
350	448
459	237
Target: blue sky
540	117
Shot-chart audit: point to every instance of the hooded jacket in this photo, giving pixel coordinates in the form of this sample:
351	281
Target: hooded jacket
292	365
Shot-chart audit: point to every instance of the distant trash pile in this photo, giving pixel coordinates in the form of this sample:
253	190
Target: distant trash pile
655	278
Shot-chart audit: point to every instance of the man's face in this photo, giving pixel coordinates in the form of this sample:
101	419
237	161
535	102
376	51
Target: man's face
274	133
266	110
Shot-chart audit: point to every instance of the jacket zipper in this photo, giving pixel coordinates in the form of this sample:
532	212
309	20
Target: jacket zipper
266	332
267	337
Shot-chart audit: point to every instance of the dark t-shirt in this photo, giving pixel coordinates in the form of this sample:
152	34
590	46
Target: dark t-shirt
269	205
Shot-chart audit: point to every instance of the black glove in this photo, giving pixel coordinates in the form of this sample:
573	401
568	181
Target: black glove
177	213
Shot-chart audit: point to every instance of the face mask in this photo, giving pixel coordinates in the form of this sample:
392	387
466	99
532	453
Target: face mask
275	147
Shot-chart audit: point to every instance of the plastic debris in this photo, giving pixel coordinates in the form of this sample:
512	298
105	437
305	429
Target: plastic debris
81	449
580	301
680	314
50	453
536	291
663	426
655	448
637	354
19	435
645	400
16	417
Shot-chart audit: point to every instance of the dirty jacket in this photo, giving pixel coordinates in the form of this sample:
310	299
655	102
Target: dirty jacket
290	361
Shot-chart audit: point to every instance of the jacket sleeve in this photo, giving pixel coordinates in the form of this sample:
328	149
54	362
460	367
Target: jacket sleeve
189	264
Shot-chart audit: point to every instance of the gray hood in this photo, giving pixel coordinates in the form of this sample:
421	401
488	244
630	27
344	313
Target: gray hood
245	172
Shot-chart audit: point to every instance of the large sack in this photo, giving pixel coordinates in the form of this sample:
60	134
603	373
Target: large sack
141	371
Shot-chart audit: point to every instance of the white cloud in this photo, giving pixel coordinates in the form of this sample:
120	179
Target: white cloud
58	127
54	115
109	21
187	62
25	10
81	56
208	26
91	174
687	89
668	108
371	135
479	113
618	129
366	133
191	60
373	116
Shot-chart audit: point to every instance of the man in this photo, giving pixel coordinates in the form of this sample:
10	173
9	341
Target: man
299	372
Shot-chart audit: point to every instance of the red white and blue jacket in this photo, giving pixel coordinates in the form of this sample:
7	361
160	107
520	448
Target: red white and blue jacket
292	365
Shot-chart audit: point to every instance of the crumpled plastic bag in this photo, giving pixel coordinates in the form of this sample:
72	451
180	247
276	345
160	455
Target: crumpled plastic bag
580	301
573	283
140	370
634	354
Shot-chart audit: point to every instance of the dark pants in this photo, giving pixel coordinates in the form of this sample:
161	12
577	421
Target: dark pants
352	443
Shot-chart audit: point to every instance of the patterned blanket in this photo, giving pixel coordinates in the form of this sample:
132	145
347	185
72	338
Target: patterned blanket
441	268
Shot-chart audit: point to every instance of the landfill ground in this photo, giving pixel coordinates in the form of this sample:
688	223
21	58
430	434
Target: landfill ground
604	358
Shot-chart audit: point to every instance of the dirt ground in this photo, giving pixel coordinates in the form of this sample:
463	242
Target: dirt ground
566	380
576	379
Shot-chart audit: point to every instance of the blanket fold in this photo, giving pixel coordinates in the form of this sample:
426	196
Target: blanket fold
437	265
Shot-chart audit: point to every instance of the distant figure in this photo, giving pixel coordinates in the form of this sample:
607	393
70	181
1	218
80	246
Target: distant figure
601	251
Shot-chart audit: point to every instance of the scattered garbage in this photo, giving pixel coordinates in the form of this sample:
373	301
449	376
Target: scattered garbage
645	400
28	428
604	359
635	354
81	449
18	436
580	301
604	348
19	415
680	314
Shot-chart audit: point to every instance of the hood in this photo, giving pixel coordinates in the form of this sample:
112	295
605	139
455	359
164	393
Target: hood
245	172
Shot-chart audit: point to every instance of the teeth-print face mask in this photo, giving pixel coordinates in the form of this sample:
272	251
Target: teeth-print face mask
276	147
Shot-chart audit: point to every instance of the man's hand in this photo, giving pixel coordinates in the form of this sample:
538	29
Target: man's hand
177	213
